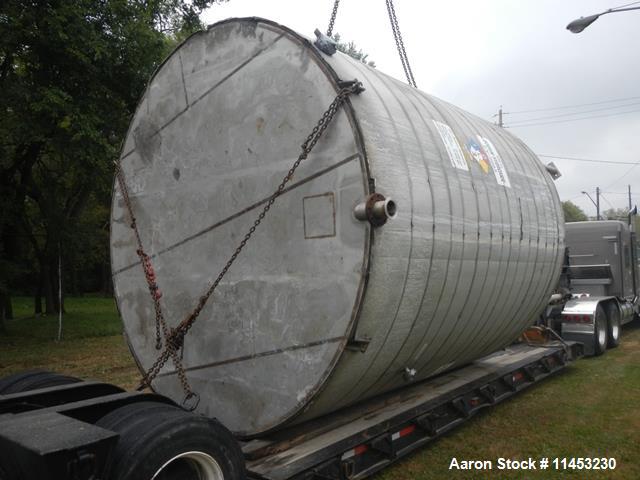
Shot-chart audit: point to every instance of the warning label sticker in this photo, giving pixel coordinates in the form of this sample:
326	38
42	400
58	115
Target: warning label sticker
496	162
451	144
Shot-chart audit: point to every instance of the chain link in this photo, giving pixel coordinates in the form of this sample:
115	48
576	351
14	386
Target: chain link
404	59
174	337
333	18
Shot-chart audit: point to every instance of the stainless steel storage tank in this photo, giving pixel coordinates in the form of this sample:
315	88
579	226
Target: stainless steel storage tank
322	310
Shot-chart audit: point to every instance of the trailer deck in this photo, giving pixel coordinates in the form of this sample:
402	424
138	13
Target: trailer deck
357	442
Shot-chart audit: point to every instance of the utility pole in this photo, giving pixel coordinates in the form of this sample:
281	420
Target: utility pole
500	123
631	225
598	203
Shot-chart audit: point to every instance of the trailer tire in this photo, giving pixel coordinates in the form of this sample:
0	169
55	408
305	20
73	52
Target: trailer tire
601	334
32	380
163	442
613	324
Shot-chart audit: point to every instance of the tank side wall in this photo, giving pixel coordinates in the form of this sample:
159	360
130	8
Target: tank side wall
473	255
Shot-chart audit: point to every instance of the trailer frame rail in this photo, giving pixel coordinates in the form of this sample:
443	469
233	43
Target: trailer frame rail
356	443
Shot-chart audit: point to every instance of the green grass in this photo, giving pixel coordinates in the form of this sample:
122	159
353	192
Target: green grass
89	316
590	409
92	345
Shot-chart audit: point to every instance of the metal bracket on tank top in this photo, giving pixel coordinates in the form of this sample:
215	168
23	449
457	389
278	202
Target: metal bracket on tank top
359	88
324	43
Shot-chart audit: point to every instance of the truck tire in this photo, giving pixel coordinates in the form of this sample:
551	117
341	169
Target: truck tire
163	442
32	380
600	337
613	324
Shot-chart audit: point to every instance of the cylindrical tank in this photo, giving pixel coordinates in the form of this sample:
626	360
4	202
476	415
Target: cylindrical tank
322	309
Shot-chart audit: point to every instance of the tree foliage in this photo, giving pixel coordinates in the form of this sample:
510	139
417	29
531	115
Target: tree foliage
615	214
71	74
352	50
573	213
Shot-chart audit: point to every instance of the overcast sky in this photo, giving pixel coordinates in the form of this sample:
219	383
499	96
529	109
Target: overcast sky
480	54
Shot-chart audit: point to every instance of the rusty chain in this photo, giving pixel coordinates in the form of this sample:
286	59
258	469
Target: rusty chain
174	337
333	18
404	59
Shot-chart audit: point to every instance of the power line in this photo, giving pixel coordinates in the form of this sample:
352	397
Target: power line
626	5
571	119
623	175
591	160
602	109
572	106
605	199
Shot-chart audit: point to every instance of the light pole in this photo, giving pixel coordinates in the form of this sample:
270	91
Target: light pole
596	204
581	23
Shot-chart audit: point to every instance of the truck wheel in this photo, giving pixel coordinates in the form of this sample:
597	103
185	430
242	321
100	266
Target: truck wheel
613	324
600	339
32	380
163	442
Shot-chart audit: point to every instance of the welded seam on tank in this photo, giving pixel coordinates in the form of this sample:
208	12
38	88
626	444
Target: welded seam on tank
489	336
207	92
497	305
428	355
558	253
511	319
424	100
485	314
541	286
491	301
242	212
463	123
446	174
414	93
371	87
419	350
235	70
527	308
425	164
184	83
253	356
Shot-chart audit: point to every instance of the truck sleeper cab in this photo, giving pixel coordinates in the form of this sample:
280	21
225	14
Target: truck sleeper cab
603	273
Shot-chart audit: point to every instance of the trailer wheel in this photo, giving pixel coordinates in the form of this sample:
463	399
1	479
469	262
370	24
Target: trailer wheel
600	339
613	324
163	442
32	380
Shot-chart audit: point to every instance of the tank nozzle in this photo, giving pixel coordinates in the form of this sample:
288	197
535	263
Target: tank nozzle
409	374
376	209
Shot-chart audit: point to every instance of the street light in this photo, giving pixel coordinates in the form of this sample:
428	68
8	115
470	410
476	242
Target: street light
583	22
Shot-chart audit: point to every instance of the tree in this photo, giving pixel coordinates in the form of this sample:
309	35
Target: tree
71	74
353	51
573	213
616	214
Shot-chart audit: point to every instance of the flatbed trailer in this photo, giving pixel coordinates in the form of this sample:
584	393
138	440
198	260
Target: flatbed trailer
51	433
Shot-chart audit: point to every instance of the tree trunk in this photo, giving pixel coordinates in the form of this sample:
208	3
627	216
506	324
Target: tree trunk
8	307
47	290
37	298
107	283
3	329
72	287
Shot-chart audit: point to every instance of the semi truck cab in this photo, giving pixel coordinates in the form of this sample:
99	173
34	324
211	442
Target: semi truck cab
603	280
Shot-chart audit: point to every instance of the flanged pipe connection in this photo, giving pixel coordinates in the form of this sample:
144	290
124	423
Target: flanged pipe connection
376	209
